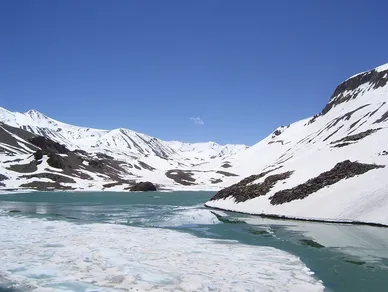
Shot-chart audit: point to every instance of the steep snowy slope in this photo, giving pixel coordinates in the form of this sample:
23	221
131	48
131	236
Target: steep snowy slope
331	166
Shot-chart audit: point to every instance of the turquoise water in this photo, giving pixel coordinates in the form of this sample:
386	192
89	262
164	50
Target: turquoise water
342	257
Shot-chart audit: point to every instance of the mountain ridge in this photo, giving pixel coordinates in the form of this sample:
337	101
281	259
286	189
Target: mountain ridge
308	156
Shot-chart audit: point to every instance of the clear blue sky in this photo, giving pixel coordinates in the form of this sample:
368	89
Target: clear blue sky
243	67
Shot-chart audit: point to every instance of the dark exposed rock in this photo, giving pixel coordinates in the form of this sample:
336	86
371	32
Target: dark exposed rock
81	152
96	163
3	177
45	186
376	110
284	160
344	117
349	89
313	119
104	156
383	153
356	137
8	139
54	177
226	165
277	133
340	171
111	185
245	190
146	166
383	118
277	141
49	145
355	123
57	161
143	187
111	168
15	160
226	173
342	145
332	134
2	184
59	157
38	155
215	181
182	177
137	167
25	168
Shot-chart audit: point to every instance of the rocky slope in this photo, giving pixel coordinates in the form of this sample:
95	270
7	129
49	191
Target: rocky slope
42	153
331	166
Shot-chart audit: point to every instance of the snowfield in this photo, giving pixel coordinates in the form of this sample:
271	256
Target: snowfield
354	128
113	257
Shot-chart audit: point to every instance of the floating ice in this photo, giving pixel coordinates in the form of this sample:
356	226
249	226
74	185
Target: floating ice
62	256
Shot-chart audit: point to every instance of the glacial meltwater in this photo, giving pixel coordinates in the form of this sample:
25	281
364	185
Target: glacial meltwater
102	241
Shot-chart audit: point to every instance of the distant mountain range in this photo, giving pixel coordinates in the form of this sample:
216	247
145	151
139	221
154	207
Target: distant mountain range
137	156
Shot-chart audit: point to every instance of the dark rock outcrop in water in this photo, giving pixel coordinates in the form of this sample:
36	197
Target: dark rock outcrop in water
340	171
245	190
143	187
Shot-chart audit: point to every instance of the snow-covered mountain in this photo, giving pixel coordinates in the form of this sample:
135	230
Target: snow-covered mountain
141	157
331	166
117	140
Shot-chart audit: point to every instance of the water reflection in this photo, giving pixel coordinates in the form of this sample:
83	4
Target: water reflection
369	243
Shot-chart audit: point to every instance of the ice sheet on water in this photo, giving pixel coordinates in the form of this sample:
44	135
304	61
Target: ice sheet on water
166	216
109	257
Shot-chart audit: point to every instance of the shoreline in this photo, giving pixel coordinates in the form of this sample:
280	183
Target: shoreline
317	220
162	190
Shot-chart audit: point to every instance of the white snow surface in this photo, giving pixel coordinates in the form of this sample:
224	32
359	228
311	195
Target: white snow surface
110	257
307	148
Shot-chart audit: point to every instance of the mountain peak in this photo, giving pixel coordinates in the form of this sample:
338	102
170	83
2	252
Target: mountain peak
351	88
34	113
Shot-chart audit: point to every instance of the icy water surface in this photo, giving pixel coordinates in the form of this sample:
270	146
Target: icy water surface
170	242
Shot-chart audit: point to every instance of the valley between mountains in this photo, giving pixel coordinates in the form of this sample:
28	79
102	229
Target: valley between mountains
331	166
